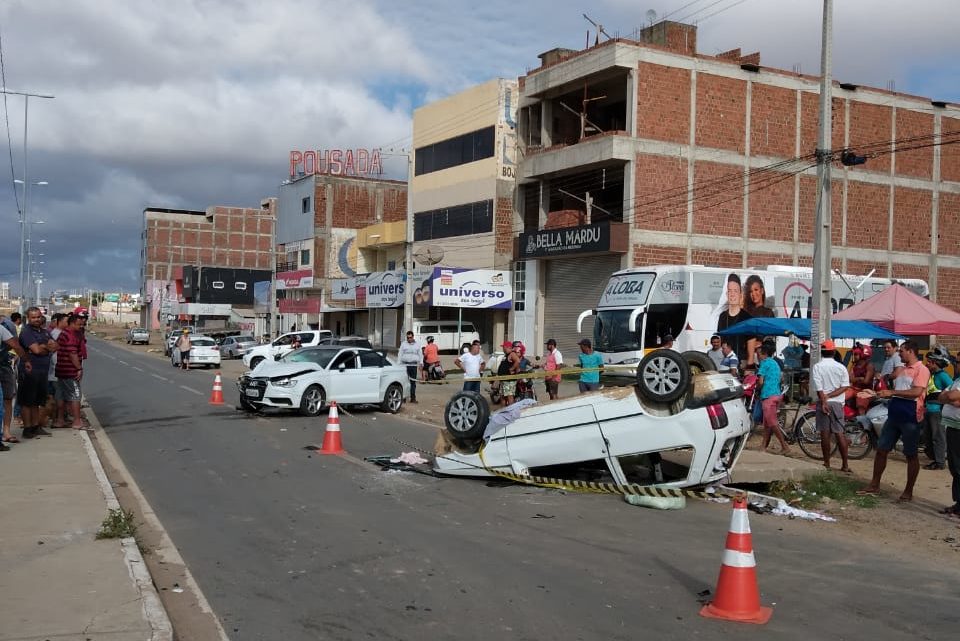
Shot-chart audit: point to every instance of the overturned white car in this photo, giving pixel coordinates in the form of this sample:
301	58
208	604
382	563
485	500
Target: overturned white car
681	425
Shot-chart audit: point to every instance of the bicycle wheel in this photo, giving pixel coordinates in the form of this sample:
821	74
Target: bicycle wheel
859	443
808	436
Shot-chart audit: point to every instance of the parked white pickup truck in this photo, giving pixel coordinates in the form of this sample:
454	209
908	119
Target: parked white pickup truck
282	345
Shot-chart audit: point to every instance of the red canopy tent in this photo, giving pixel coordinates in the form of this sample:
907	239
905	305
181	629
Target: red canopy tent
901	311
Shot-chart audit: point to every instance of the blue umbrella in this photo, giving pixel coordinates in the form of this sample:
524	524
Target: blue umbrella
801	328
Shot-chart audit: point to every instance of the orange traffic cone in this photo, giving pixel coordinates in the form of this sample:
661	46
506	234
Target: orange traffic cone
331	438
216	396
737	595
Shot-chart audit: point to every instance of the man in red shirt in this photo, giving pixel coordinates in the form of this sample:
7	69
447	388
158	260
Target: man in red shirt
905	412
70	369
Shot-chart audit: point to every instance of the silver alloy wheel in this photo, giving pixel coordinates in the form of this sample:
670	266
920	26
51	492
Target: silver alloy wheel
394	398
463	414
314	400
662	375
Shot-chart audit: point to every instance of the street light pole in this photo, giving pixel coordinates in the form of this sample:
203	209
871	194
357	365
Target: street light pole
408	253
23	214
822	239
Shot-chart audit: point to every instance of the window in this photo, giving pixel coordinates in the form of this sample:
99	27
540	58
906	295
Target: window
305	205
304	256
520	286
452	152
240	286
459	220
371	359
428	329
217	284
347	359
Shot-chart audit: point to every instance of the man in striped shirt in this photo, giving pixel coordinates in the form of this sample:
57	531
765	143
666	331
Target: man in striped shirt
70	369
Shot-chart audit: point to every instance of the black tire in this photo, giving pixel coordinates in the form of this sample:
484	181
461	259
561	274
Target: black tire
466	416
392	399
698	362
313	401
256	361
808	436
859	441
663	376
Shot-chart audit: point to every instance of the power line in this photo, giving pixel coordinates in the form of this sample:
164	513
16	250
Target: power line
6	119
721	10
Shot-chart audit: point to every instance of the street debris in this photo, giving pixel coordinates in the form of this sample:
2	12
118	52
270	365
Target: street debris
410	458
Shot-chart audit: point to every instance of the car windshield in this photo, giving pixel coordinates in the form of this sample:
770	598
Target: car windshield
203	342
321	356
610	333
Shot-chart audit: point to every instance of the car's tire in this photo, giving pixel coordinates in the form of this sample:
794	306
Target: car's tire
256	361
663	376
312	401
392	399
466	416
698	362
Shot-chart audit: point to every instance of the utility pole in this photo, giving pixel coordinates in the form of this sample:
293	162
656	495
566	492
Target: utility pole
408	253
26	183
822	261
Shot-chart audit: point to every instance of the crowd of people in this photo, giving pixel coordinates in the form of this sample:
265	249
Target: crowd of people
41	369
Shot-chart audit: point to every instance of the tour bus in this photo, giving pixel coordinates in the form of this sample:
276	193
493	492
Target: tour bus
641	305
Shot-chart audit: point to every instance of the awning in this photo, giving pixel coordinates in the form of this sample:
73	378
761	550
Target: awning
801	328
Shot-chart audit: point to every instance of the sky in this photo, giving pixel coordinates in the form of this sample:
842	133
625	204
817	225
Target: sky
192	103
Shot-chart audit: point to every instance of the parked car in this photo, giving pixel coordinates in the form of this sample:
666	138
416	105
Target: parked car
203	351
138	335
307	379
447	335
236	346
282	345
346	341
693	424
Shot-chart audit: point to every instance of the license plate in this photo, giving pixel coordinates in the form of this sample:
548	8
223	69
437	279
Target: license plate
252	392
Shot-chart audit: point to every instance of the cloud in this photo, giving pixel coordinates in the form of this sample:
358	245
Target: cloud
190	103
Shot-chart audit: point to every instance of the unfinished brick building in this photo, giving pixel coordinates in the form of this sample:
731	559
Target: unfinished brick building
702	159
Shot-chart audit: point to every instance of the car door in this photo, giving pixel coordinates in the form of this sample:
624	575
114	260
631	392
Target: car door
372	365
349	383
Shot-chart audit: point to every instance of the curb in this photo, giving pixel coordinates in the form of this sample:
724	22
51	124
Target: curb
167	550
160	627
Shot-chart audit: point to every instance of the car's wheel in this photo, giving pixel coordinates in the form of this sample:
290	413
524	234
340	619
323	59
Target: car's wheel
312	401
698	362
392	399
466	416
256	361
663	376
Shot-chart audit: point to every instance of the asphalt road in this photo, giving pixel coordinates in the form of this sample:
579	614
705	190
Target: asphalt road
288	544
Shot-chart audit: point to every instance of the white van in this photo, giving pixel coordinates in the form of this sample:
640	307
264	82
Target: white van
445	333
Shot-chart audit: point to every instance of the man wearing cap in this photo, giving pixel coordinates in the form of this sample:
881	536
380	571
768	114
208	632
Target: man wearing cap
830	382
509	365
553	362
472	365
183	345
589	359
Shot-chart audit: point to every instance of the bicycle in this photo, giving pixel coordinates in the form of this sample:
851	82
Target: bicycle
860	442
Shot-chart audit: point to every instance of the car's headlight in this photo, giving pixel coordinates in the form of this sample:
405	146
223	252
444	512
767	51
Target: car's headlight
284	382
629	361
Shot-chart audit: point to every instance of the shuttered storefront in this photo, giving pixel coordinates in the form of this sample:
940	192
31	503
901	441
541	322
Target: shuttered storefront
572	286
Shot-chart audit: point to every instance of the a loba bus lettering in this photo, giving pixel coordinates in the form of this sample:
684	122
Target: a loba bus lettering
836	305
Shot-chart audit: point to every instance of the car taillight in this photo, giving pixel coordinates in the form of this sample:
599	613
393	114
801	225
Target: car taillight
718	416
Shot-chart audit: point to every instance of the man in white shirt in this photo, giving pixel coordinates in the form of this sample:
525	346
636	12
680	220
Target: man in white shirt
890	363
715	353
410	356
730	362
830	380
472	364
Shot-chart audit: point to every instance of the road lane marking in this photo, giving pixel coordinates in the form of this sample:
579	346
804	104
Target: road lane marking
137	368
191	390
122	362
162	378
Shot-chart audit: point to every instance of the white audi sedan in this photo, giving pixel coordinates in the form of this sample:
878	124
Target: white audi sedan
309	378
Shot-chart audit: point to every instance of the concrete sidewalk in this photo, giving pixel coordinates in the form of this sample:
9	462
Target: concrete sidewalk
57	580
